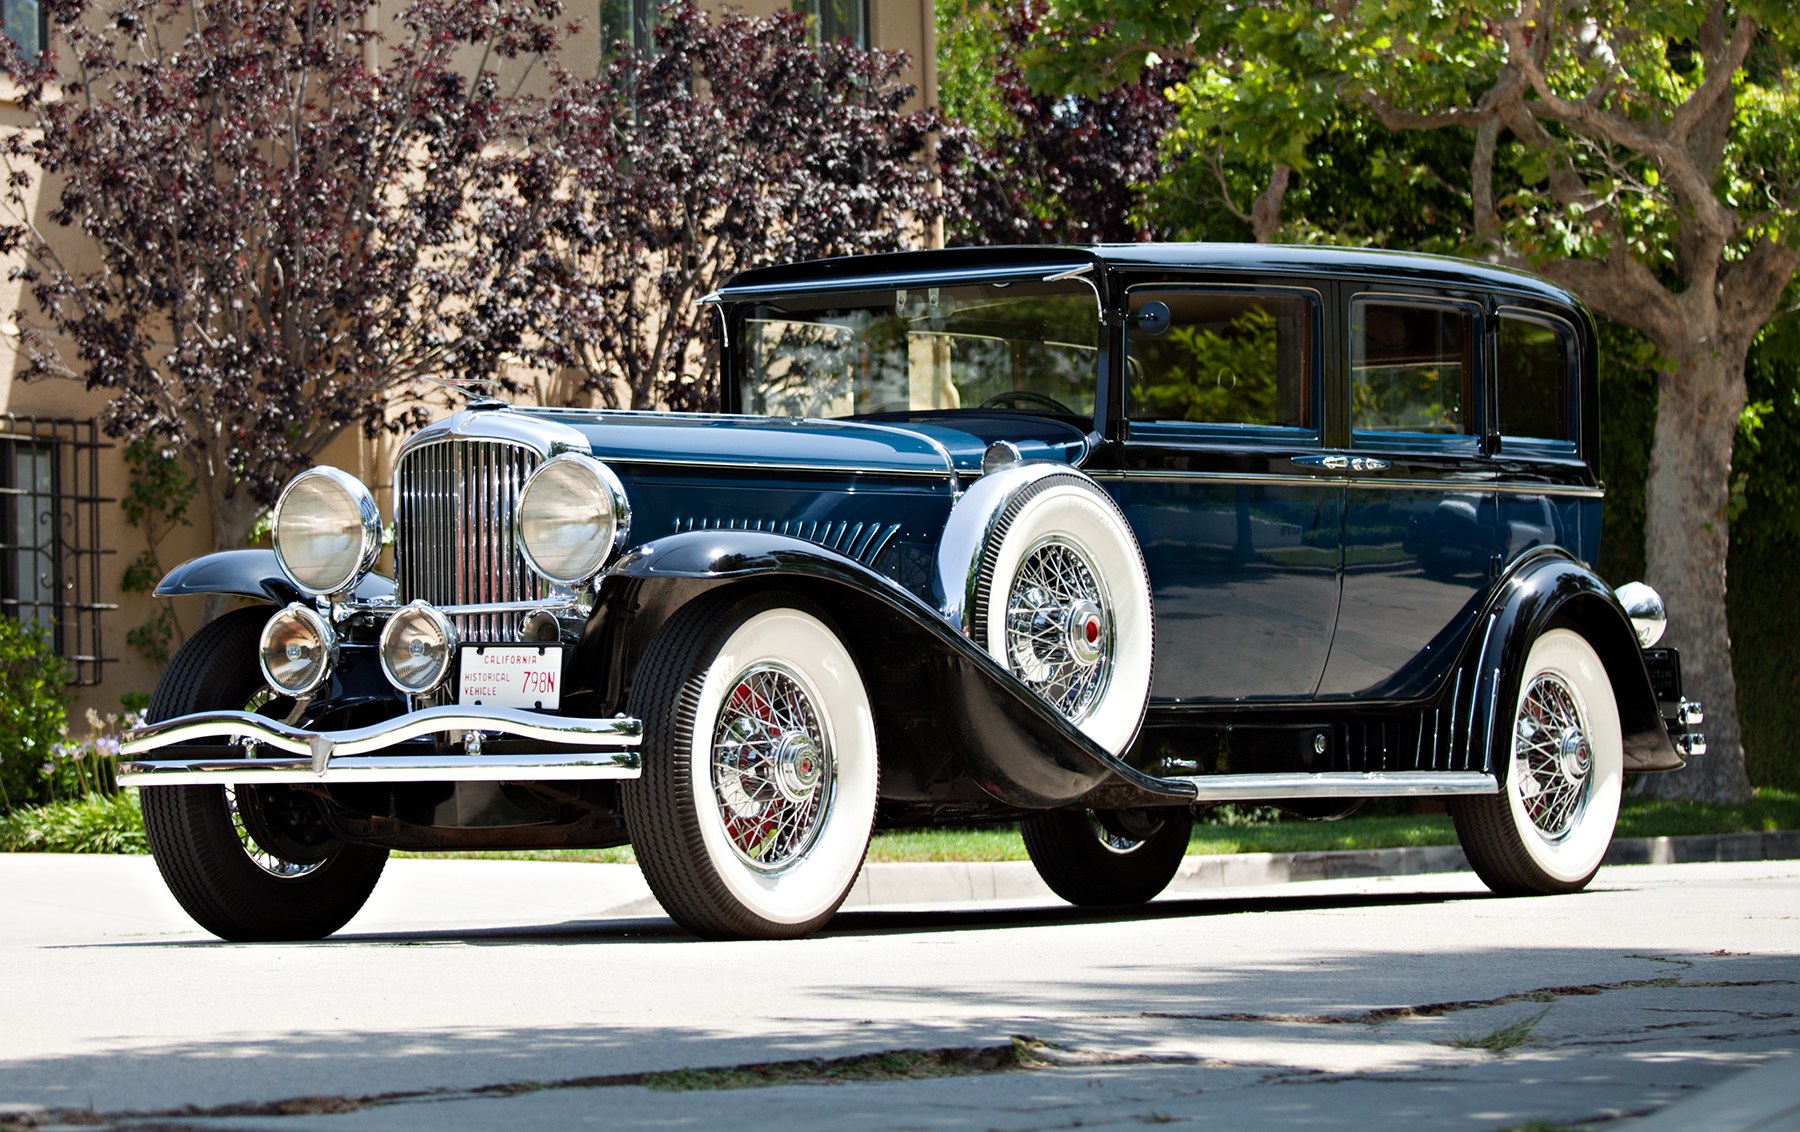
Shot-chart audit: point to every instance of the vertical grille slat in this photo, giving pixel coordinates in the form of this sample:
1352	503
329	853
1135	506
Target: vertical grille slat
454	544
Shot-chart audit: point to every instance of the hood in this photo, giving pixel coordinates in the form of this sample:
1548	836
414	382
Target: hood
916	444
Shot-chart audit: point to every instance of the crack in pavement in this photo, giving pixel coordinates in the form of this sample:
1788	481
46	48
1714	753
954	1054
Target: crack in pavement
1383	1014
1021	1053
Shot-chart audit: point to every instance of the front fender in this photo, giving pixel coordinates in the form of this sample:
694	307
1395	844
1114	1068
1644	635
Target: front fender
935	693
254	573
1548	587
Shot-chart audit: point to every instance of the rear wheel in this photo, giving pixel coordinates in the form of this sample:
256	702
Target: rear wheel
1091	857
757	797
1562	770
247	863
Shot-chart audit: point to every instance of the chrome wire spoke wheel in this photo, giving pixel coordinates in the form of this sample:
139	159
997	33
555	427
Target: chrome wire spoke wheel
1552	756
773	772
1059	633
260	857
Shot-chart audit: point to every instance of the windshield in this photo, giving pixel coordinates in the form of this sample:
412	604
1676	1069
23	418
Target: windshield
1021	345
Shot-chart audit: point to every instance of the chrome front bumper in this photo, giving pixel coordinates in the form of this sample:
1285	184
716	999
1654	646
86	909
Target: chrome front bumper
608	749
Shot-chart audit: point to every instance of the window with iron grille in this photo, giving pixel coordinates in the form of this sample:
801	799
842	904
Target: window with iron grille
50	548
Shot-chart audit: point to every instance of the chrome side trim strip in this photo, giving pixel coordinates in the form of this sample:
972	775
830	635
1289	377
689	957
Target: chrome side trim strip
358	752
1278	480
1502	488
1337	784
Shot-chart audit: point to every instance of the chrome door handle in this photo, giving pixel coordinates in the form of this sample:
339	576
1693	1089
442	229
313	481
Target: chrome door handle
1342	463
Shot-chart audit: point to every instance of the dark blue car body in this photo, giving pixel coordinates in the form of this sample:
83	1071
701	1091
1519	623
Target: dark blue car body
1345	590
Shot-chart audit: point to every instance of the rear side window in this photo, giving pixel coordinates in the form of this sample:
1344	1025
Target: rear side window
1536	378
1412	367
1222	357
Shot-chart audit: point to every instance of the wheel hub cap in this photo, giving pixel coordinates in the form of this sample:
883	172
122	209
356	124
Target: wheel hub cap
1572	755
1059	633
1085	629
772	768
798	766
1551	756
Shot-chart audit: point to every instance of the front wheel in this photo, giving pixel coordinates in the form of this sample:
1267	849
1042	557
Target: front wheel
1091	857
246	863
758	791
1561	772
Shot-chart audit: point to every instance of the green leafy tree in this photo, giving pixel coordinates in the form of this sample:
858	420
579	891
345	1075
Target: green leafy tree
1643	155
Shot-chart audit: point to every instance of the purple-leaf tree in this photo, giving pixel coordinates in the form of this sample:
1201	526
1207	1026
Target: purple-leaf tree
729	143
1045	167
259	222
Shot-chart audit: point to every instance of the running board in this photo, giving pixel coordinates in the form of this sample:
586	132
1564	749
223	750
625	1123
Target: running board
1343	784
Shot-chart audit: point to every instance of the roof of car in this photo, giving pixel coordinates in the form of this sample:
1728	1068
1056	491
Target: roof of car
1264	259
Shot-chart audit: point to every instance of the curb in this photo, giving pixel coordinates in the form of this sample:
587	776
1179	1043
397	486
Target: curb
962	881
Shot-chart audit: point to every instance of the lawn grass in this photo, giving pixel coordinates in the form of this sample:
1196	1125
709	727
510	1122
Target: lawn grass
113	825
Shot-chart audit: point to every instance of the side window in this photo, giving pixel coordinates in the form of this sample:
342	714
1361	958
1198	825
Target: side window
25	24
1535	379
831	20
1223	357
1412	367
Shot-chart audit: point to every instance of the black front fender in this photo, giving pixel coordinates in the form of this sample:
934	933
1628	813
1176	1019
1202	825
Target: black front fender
1548	588
252	573
944	709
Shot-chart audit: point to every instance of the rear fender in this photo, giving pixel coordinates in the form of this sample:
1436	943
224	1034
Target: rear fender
947	716
1544	589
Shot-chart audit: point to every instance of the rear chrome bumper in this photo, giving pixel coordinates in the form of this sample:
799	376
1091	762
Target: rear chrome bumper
607	749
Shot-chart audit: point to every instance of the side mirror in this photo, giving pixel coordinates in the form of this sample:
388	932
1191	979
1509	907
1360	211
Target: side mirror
1151	319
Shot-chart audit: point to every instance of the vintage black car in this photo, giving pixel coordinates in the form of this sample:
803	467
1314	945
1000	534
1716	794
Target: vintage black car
1090	538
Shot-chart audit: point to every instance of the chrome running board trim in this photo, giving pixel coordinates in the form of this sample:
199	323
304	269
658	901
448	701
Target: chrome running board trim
1343	784
363	754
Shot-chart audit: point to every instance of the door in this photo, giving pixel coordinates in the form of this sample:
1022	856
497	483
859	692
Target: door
1220	477
1419	512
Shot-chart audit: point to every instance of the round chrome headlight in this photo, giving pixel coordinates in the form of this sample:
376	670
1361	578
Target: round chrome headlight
572	515
417	645
296	650
327	531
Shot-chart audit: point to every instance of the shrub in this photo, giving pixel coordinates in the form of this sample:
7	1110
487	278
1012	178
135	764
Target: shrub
33	714
97	823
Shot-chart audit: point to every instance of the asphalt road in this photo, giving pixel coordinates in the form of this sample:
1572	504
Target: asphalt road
475	994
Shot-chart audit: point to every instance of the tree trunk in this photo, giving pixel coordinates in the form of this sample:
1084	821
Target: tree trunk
234	516
1686	540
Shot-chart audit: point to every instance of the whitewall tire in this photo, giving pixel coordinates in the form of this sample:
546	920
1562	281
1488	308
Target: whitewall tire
758	792
1562	774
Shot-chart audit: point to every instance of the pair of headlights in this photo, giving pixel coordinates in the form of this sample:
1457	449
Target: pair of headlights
572	515
298	649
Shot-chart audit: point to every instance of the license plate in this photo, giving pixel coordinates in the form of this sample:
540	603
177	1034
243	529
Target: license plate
528	676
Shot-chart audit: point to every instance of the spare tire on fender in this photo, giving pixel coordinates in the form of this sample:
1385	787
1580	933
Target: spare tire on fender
1062	601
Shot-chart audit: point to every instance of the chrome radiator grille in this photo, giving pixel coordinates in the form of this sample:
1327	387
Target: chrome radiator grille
454	542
